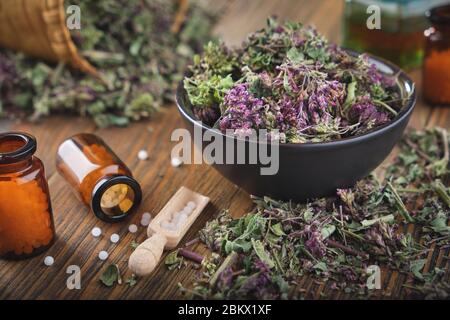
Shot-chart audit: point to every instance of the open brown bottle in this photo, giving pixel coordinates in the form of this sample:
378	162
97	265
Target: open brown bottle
26	220
100	178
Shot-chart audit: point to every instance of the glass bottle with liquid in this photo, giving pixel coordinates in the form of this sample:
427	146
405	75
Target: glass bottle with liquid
100	178
26	219
398	37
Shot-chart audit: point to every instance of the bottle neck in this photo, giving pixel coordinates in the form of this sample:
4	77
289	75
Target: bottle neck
18	166
440	19
16	151
443	29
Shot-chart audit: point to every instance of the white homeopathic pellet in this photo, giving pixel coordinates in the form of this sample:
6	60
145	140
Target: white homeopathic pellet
145	222
145	219
146	216
168	225
186	210
96	232
103	255
176	162
191	205
115	238
49	261
133	228
142	155
176	215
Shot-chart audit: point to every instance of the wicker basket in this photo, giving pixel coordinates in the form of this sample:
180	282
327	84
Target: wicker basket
38	28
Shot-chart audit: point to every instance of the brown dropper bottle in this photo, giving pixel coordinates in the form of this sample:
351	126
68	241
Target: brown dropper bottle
100	178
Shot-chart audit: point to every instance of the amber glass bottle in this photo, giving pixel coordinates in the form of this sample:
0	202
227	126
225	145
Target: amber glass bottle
400	34
26	220
100	178
436	67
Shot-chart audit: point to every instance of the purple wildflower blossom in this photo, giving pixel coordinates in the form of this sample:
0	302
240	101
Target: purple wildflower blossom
7	69
364	111
243	111
349	274
290	114
258	283
261	266
315	244
225	279
325	100
376	76
287	111
374	235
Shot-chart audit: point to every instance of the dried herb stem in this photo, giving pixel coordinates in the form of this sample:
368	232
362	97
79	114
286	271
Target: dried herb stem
229	260
346	249
192	242
386	106
190	255
444	137
400	205
441	190
354	235
416	148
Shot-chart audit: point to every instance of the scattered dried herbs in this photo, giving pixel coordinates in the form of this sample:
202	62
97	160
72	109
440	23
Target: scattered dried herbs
131	281
130	42
334	240
173	261
134	245
288	77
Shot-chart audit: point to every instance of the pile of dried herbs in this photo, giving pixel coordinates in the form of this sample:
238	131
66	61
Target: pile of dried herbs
287	77
394	223
131	44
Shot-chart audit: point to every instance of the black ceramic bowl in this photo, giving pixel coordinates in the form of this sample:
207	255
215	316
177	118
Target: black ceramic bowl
311	170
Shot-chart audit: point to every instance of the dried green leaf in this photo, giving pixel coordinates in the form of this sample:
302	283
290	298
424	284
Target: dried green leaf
262	253
111	275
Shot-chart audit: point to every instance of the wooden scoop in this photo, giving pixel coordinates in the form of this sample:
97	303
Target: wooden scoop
146	256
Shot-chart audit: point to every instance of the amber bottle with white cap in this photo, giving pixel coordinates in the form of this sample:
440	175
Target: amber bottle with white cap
100	178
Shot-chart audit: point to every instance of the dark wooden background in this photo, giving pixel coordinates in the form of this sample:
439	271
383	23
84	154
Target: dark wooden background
30	279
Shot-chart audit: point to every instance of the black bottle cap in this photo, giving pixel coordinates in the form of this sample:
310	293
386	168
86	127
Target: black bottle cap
130	198
439	15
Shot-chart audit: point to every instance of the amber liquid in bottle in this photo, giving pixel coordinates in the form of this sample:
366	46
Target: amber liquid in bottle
26	220
400	35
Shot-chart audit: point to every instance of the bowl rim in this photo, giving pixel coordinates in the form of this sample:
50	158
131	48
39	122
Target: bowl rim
404	112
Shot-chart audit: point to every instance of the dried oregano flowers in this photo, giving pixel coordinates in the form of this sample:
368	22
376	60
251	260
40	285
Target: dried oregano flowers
288	77
394	223
130	42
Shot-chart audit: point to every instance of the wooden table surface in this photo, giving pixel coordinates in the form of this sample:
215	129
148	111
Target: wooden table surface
30	279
